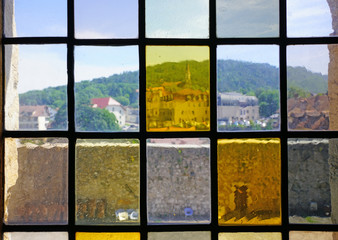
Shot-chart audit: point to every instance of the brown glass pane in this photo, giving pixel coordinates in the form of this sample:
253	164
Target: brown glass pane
312	88
309	184
35	236
249	182
36	182
107	236
107	184
178	88
243	18
250	235
178	181
179	235
177	19
307	235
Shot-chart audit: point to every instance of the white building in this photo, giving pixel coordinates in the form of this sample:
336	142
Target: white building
112	106
34	117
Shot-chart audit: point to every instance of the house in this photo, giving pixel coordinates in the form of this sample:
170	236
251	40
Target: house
34	117
233	106
112	106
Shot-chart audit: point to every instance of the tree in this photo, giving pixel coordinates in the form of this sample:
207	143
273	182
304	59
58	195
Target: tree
268	101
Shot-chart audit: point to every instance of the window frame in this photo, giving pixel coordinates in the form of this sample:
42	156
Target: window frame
212	42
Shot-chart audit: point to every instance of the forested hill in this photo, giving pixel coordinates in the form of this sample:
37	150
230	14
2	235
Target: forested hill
238	76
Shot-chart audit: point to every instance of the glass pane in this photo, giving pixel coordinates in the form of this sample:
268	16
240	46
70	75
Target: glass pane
35	18
309	185
310	18
179	235
178	87
241	18
178	181
248	88
249	182
107	236
303	235
36	181
106	19
251	236
312	92
177	19
36	87
106	88
107	184
36	236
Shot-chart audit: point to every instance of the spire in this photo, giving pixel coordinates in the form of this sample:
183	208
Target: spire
187	76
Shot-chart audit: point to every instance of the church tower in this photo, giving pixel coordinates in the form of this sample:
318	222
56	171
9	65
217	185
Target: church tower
187	79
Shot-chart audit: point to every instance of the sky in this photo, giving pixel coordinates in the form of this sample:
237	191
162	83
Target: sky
106	19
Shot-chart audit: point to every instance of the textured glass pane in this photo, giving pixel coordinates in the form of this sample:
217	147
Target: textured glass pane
251	236
178	180
241	18
249	181
107	184
309	185
312	89
248	88
36	87
303	235
177	18
106	19
179	235
178	88
36	181
107	236
106	88
36	236
35	18
310	18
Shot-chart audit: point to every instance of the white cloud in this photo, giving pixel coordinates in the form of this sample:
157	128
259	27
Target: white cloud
92	34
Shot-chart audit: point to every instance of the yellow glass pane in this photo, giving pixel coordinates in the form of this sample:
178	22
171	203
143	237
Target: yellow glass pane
107	183
178	87
107	236
251	236
249	182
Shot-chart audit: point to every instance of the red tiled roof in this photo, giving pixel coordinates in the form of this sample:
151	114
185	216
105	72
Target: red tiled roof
104	102
34	111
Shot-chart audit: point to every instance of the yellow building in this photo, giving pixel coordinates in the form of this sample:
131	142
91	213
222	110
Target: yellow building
175	106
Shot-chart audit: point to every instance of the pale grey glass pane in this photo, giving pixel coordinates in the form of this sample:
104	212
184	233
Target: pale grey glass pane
248	88
106	19
177	18
106	88
250	235
310	18
107	182
310	106
308	235
178	181
36	91
309	186
35	236
179	235
35	18
36	182
242	18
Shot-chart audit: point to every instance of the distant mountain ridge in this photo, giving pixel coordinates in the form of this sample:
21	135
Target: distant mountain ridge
232	76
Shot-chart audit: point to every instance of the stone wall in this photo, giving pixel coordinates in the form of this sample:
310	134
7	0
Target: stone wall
178	178
107	179
249	179
309	189
36	184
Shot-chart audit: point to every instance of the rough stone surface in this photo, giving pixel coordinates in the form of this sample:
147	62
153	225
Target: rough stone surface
333	162
250	235
178	178
309	188
107	179
36	184
302	235
249	180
